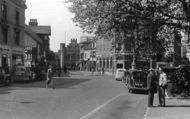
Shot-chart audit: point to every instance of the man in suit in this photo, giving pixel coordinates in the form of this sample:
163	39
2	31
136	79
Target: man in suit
151	86
161	87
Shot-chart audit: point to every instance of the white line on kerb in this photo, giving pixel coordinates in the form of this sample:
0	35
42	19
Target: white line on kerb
146	114
99	107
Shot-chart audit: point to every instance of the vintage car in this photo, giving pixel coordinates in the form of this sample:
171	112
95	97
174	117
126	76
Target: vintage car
120	74
136	80
22	73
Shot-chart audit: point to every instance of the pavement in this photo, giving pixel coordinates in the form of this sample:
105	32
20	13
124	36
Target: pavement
176	108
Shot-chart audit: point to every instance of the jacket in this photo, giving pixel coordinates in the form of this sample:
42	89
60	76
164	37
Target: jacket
152	82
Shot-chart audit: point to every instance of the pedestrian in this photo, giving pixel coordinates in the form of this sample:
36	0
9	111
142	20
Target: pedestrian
59	71
65	70
151	86
49	77
162	86
102	70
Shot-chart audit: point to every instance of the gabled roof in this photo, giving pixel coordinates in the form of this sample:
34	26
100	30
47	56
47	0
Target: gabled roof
32	34
41	29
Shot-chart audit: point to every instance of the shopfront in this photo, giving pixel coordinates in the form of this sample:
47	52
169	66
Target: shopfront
11	56
5	56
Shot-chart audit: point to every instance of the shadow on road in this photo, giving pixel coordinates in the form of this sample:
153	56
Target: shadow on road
5	90
142	92
58	83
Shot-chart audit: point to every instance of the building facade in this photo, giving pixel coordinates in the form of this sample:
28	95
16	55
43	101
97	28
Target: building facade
70	55
104	55
12	28
87	52
33	47
44	32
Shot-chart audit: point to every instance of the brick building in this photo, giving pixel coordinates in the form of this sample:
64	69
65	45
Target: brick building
12	28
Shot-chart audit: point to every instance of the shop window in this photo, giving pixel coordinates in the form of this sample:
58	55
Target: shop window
111	63
107	62
104	63
4	11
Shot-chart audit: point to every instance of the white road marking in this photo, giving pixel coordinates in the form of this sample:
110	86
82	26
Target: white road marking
146	113
99	107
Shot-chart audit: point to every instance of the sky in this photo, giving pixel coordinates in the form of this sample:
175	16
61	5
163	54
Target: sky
56	14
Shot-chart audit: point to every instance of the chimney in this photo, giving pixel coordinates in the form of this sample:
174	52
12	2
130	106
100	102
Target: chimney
33	22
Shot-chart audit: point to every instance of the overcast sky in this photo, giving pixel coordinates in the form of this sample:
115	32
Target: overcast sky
56	14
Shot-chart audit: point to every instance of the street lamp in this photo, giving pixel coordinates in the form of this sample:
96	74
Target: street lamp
133	65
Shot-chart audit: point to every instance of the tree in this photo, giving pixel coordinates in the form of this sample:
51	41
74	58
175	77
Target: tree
147	18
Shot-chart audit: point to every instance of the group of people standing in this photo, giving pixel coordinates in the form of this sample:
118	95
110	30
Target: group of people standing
156	82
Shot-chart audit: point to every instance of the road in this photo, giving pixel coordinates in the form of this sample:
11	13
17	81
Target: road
80	96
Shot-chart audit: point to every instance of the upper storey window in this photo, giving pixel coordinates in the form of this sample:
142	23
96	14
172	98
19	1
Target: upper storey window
17	17
4	11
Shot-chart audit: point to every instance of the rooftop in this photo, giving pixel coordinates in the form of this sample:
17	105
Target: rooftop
41	29
32	34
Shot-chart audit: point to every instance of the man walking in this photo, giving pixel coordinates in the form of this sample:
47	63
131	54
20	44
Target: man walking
49	77
151	86
161	87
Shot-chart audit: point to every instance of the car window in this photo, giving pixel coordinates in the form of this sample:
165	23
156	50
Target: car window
136	75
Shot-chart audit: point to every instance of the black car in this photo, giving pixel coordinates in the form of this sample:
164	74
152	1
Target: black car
136	80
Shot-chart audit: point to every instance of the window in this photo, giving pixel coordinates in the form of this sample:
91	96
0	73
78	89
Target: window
107	62
17	17
5	35
4	11
17	37
111	63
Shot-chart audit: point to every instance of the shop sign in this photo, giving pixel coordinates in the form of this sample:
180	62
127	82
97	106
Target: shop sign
28	48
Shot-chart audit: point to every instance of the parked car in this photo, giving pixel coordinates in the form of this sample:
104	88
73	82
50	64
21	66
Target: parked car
5	78
22	73
136	80
120	74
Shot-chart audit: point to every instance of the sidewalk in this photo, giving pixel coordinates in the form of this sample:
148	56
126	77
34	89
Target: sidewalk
175	109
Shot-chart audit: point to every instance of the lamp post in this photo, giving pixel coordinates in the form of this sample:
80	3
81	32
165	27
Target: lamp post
133	65
114	53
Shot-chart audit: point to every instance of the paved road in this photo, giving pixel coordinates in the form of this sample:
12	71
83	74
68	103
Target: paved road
80	96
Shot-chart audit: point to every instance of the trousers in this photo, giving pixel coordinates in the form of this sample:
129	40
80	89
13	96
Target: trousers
150	97
161	95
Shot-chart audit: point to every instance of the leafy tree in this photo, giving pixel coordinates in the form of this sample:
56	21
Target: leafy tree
138	21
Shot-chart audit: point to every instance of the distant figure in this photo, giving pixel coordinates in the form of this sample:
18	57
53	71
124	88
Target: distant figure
65	69
49	77
161	88
151	86
59	72
102	70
